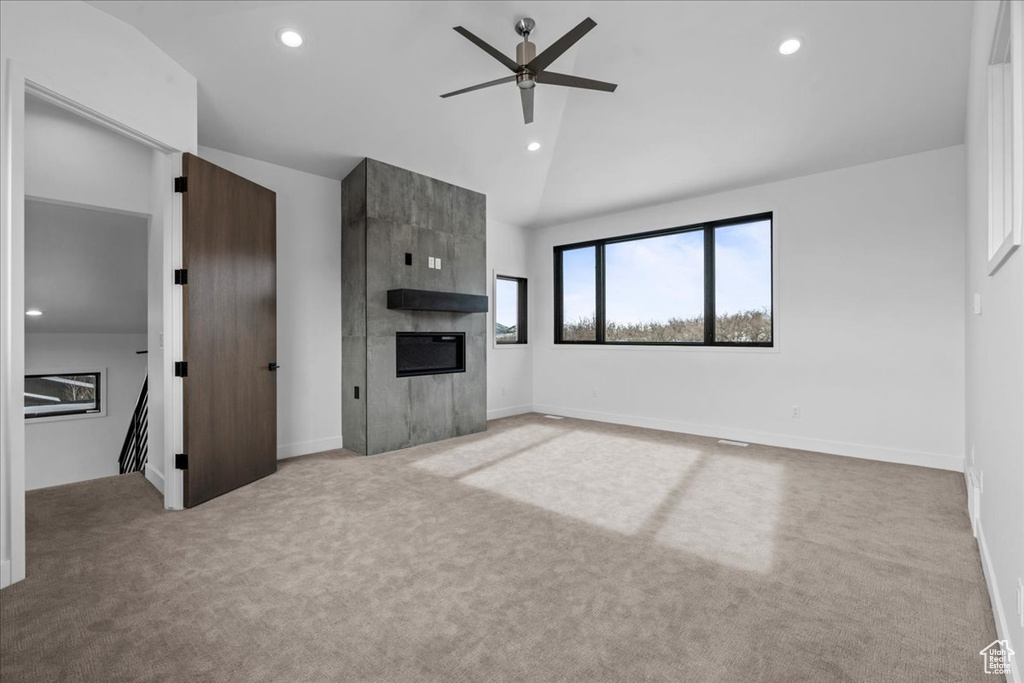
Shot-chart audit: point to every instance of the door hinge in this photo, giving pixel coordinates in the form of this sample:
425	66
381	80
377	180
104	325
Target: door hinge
181	184
181	461
181	276
180	368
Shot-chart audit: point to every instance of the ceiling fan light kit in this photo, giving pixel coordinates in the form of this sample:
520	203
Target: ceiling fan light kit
529	68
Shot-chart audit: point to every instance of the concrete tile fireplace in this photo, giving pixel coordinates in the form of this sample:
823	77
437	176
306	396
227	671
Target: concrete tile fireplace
414	350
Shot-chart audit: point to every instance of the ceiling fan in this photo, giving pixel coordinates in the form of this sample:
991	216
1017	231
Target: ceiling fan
529	68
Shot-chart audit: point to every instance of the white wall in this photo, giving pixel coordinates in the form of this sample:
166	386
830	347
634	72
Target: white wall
65	451
85	56
80	162
104	64
869	322
995	365
509	367
308	302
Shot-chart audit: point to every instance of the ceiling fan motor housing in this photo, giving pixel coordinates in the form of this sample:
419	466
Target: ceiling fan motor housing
525	52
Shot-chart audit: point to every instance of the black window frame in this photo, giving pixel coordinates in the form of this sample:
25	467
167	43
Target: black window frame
98	410
708	227
522	312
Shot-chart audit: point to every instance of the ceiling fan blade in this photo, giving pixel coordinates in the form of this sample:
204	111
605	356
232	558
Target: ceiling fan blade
527	96
557	48
488	84
489	49
552	78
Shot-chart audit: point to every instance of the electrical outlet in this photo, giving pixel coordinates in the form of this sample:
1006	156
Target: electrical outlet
796	411
430	262
437	263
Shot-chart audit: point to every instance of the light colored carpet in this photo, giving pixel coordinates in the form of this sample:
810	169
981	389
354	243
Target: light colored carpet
543	550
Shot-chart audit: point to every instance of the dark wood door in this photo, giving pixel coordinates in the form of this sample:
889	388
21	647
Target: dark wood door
229	245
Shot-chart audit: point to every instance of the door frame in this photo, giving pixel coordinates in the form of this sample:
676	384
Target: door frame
19	82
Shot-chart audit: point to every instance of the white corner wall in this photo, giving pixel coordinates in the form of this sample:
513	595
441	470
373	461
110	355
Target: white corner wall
70	450
995	365
509	367
869	322
308	302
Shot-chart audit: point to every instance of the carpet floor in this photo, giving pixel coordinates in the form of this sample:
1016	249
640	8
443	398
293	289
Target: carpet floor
541	550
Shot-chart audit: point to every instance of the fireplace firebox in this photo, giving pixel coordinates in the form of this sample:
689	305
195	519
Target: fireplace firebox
430	353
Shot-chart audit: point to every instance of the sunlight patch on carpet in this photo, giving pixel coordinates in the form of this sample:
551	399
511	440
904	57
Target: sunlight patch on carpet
473	454
609	481
729	513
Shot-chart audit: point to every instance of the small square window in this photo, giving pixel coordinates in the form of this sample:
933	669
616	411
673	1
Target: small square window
509	310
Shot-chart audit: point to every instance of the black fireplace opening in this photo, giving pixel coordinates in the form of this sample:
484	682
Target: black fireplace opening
430	353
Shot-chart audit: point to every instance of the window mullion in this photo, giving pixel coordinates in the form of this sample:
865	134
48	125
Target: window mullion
558	296
599	274
709	285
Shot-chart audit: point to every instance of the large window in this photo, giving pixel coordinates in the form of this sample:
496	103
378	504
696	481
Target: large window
62	395
509	310
707	284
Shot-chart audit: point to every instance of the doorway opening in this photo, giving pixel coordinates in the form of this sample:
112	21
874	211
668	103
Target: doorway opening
93	302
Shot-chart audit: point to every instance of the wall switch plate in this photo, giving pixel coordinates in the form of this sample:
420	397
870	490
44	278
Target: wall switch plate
977	303
437	263
430	262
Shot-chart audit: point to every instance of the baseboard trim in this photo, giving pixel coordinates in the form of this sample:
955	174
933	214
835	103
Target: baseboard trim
508	412
5	574
880	453
155	477
1002	625
294	450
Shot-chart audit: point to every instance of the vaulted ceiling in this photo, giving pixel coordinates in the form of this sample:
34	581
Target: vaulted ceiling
705	101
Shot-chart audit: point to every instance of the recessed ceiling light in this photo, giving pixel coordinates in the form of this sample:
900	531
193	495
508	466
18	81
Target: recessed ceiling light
789	46
533	147
33	312
290	37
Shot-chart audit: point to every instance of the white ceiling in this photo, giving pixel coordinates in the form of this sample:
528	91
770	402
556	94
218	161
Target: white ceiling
705	102
85	269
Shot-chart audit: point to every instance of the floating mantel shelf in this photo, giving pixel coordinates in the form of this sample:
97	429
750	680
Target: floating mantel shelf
426	300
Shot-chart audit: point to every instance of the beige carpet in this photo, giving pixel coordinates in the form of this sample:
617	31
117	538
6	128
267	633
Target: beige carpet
543	550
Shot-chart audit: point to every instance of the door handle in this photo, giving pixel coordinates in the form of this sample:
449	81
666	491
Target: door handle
272	366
